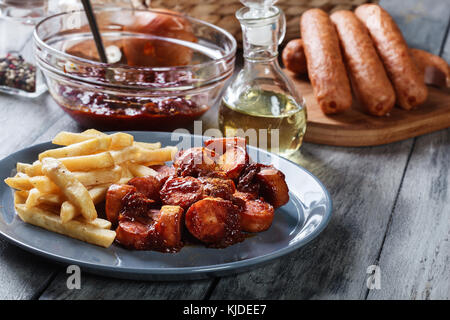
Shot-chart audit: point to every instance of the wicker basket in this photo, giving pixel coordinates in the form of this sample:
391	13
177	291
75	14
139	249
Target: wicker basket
221	12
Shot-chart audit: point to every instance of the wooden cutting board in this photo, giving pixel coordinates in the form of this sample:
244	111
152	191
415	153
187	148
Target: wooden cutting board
355	128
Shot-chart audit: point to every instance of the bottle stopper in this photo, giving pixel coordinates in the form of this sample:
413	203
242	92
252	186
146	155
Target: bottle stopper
259	34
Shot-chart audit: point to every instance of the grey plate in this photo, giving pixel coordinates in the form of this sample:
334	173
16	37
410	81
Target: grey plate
295	224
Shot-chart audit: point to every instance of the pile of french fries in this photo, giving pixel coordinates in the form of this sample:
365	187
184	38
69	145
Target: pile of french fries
59	191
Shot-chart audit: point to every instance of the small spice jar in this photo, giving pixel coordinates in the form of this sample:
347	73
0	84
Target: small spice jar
18	72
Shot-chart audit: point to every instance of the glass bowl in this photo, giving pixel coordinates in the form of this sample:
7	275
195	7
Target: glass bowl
171	67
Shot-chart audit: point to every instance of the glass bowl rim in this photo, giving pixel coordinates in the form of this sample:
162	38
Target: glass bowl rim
227	55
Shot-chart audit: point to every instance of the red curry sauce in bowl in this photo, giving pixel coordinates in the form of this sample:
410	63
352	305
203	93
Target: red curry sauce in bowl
169	69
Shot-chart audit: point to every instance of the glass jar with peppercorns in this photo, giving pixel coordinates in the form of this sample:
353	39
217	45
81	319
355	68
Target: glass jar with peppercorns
18	72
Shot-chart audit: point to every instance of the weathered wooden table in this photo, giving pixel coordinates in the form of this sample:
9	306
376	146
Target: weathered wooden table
391	209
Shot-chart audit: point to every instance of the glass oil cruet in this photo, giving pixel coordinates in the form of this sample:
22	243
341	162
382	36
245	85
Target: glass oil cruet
261	104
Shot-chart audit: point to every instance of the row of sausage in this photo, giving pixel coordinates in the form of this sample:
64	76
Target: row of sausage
365	50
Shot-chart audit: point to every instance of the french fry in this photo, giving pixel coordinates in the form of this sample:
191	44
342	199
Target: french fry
101	176
21	167
35	169
140	155
87	178
20	197
75	229
75	215
22	193
153	163
89	162
124	180
99	223
93	132
139	170
73	189
51	199
44	184
33	198
124	155
147	145
121	140
98	193
126	173
158	155
79	149
19	182
36	198
65	138
69	211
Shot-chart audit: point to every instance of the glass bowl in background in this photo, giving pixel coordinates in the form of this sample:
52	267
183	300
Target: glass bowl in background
163	80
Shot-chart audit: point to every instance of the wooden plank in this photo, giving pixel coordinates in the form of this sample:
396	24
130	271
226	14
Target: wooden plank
363	183
64	123
414	262
423	23
23	120
354	127
22	274
96	287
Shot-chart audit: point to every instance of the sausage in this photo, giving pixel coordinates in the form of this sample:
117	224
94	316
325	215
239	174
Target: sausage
196	161
215	222
148	186
256	215
293	57
408	83
239	198
233	161
136	206
273	186
166	231
370	81
182	191
133	234
247	180
114	200
218	188
232	154
162	233
262	180
220	145
244	196
434	69
163	172
326	69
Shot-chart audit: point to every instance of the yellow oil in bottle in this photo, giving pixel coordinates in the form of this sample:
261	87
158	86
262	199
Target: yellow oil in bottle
275	120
